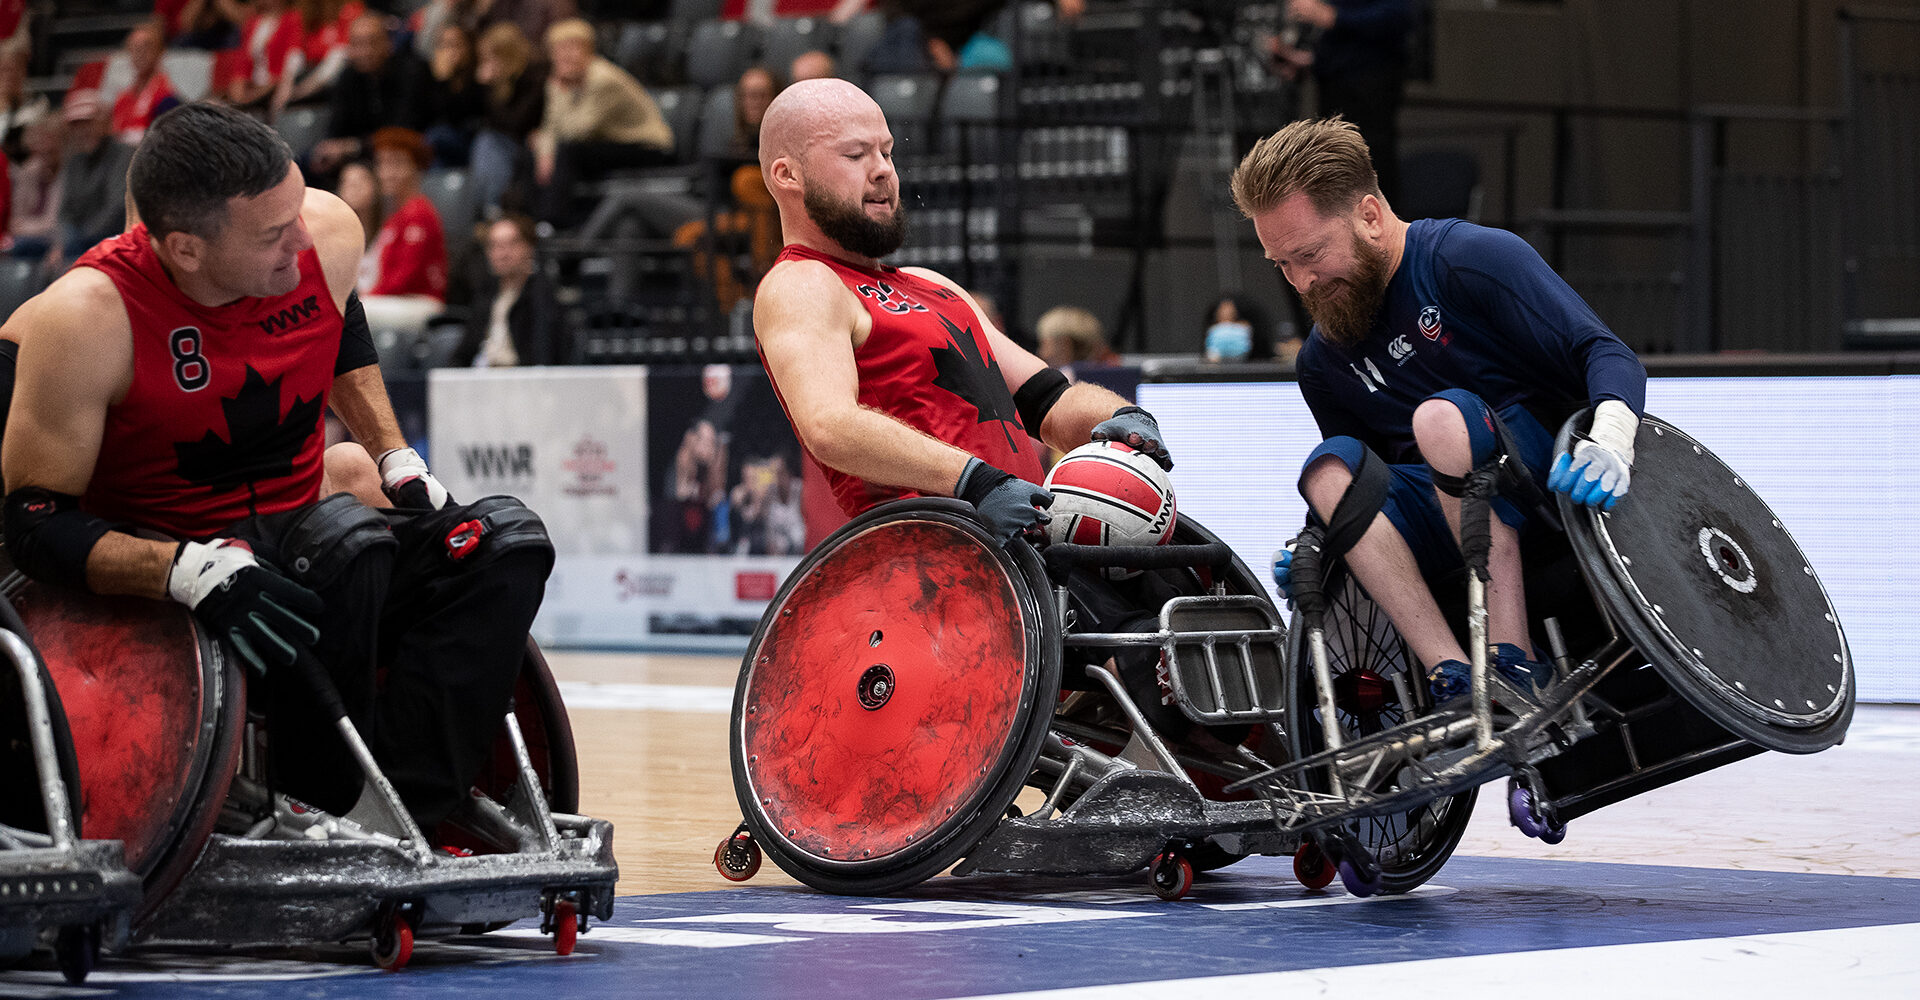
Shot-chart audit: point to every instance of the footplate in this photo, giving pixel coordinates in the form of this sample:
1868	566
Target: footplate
1223	658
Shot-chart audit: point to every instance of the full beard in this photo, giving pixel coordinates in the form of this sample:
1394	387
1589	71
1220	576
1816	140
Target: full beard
848	224
1344	308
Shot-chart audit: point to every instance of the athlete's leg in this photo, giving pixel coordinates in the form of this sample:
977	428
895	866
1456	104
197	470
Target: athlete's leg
1383	563
1440	428
349	469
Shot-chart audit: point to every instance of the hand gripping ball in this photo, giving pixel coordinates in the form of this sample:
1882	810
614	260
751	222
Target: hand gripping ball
1106	493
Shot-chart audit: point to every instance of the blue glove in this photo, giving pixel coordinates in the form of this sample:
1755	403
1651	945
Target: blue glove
1135	428
1597	471
1008	504
1283	571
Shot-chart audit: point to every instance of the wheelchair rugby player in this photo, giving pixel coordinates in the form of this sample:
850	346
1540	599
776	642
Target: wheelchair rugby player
165	444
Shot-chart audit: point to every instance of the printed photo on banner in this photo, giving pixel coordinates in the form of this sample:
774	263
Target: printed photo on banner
725	467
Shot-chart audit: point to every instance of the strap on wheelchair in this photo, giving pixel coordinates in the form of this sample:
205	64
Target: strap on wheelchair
1515	480
1476	520
1320	545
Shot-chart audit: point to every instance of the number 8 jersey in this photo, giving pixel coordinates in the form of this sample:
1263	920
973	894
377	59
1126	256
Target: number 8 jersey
224	416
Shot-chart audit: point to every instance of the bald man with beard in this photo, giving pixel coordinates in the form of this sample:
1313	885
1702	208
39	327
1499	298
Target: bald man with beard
895	382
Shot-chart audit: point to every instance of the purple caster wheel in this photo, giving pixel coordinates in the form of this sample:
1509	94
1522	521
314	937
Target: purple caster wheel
1357	883
1522	812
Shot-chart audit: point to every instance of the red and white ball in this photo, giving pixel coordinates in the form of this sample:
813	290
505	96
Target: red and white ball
1106	493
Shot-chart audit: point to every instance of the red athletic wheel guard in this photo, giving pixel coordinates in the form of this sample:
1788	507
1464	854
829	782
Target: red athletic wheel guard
843	781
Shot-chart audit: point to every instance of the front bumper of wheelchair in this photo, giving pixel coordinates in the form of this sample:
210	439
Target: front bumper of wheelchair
259	892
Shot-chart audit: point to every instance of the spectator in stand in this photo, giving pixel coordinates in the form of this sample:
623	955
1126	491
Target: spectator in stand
270	41
379	88
93	180
599	118
1237	329
750	221
521	322
359	187
16	24
18	109
201	24
429	19
1071	335
455	102
412	248
516	99
325	25
1359	64
811	65
36	192
151	93
534	18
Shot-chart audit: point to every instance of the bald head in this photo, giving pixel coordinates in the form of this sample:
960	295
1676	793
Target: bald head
813	111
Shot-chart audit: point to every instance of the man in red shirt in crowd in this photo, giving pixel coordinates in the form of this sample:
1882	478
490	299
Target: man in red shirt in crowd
165	441
894	380
151	93
411	249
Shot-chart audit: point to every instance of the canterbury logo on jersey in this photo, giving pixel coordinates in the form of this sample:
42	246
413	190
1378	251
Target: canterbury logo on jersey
292	316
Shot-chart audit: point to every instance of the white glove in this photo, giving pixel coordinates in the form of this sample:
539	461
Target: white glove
1598	470
406	481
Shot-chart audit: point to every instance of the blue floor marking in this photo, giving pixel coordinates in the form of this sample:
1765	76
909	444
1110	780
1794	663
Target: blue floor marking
1000	934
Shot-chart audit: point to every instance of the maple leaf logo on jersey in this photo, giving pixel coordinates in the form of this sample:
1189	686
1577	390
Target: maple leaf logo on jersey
260	443
966	373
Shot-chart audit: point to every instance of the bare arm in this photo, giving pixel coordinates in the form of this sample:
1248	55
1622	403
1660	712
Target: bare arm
1071	421
359	397
59	414
805	320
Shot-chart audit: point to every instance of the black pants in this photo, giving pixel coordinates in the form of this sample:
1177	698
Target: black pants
424	649
578	162
1371	101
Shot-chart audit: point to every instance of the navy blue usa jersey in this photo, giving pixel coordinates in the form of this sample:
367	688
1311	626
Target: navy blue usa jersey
1468	308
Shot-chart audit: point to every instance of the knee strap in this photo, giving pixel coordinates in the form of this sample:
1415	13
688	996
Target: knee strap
1365	495
329	536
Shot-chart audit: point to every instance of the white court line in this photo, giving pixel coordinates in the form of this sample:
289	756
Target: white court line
657	697
1853	962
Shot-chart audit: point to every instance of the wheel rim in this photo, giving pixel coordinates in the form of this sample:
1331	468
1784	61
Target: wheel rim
861	741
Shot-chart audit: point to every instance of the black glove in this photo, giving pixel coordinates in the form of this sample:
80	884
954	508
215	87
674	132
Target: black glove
1008	504
266	617
1135	428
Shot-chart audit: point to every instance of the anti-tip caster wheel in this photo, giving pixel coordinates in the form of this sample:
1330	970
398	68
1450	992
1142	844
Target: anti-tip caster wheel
392	943
1524	812
1358	879
566	926
1170	876
77	950
738	857
1311	867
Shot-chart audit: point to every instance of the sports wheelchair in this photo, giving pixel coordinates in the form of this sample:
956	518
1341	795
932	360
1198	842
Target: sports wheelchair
166	764
907	682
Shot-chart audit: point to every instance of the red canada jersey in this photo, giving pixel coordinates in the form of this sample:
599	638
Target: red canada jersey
927	364
224	417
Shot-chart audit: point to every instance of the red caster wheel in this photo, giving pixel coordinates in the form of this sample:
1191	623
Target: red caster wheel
1171	876
1311	867
392	944
738	857
566	926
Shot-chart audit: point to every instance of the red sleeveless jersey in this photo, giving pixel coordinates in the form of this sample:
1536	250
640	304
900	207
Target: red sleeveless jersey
928	364
224	417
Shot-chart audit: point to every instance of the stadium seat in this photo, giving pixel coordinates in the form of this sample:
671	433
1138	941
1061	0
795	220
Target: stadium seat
681	107
453	198
972	97
302	127
652	52
716	124
857	38
791	36
718	52
19	281
906	99
688	11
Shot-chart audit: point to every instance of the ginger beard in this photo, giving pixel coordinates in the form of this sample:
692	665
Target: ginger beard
1344	308
848	224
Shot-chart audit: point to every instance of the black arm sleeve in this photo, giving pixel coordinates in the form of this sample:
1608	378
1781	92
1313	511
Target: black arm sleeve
1037	395
356	341
9	360
50	537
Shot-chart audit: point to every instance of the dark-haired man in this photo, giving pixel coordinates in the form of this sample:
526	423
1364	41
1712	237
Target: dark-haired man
165	441
1437	346
894	380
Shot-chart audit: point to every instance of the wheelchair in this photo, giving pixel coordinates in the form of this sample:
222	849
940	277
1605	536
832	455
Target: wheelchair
908	681
906	684
173	764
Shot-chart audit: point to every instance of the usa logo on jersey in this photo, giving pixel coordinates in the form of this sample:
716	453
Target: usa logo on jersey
1430	328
